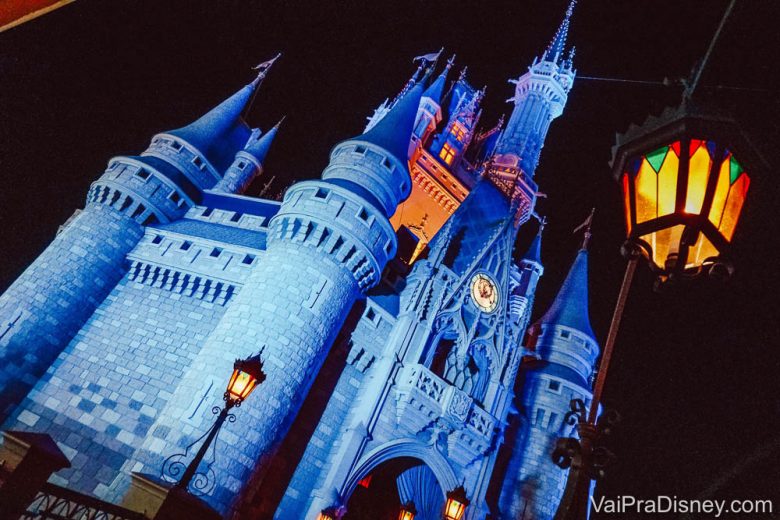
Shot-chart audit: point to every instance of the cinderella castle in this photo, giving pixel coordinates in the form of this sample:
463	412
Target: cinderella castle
386	296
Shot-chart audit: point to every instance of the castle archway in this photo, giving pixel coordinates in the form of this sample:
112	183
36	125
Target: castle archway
395	473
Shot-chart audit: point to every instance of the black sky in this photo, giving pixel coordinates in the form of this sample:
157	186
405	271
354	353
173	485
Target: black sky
695	374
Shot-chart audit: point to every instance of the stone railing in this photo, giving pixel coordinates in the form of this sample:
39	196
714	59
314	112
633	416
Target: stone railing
423	396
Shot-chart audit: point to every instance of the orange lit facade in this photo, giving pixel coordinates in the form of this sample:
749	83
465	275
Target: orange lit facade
445	155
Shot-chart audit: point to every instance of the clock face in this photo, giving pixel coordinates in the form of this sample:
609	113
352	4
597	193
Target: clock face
484	292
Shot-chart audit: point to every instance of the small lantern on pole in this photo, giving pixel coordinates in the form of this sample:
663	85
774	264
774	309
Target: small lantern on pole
408	511
247	374
456	504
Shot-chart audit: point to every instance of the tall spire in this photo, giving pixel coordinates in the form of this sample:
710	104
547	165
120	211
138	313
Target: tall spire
436	89
554	51
259	148
534	253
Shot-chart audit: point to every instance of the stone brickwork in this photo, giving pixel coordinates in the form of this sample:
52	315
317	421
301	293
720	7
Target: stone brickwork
56	294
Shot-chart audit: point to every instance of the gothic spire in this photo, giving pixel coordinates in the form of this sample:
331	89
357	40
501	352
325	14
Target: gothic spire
534	253
555	50
436	89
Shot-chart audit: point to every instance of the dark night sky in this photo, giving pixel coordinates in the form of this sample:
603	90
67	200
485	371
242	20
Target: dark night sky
695	374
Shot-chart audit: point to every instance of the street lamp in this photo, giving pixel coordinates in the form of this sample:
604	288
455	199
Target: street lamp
247	374
684	181
685	176
408	511
456	504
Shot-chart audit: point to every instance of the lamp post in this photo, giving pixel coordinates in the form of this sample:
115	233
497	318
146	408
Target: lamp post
247	374
456	504
685	177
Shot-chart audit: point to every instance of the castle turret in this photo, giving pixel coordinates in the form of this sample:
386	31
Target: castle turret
540	95
248	163
429	113
327	245
45	307
566	351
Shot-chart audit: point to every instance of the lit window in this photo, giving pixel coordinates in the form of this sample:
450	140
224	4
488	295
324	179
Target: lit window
458	133
447	153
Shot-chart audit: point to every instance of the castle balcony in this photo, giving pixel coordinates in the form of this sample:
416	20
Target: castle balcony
425	401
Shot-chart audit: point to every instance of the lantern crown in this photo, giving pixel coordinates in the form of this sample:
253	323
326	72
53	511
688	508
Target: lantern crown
685	175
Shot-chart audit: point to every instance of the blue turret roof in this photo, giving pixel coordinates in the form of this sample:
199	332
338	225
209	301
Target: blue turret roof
555	50
259	147
394	130
570	307
534	253
435	91
221	132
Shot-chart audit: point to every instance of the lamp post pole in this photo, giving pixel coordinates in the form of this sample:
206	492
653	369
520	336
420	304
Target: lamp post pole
192	468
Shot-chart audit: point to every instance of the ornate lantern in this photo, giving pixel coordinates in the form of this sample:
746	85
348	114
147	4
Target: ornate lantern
331	513
247	374
408	511
456	504
685	176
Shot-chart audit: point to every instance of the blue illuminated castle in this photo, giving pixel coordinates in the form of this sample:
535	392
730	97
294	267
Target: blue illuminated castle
386	296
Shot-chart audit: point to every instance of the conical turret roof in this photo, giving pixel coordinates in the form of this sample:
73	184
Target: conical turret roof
259	148
393	132
221	132
570	307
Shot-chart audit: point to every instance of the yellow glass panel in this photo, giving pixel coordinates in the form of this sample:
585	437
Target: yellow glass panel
663	243
700	251
240	385
698	172
627	201
667	184
646	184
734	202
721	192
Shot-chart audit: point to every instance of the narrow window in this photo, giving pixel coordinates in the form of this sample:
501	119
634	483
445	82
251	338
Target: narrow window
197	161
207	212
143	174
363	214
321	193
157	239
185	246
555	386
565	334
215	252
387	164
176	145
174	197
248	259
370	314
360	150
236	217
241	165
447	153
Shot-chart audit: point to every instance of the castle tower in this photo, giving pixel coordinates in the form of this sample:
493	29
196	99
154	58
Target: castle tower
45	307
248	163
566	351
326	246
540	96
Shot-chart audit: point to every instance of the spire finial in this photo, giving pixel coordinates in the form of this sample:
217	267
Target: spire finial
263	68
554	51
542	224
279	123
463	73
451	62
587	225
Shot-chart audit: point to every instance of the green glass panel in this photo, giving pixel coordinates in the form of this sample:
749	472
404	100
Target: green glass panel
736	169
656	158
